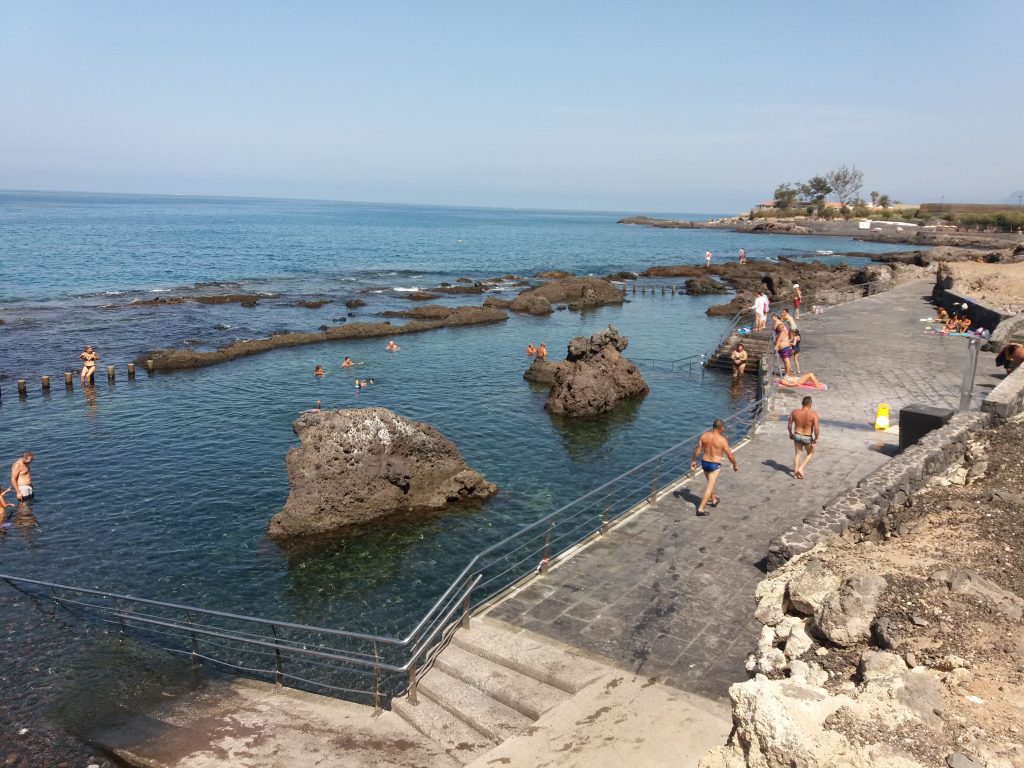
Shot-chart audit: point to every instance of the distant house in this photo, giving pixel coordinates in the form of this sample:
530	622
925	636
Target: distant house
765	205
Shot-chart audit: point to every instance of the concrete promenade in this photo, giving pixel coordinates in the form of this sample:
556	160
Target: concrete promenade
668	595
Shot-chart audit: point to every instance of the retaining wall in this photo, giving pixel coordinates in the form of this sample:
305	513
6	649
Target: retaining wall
893	483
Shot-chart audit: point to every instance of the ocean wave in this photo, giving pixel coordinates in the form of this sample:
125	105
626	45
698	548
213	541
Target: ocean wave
407	290
161	290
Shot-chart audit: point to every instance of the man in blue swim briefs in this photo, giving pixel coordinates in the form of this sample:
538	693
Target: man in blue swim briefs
713	444
803	431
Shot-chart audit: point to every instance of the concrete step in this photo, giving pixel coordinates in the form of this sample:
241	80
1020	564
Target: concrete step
528	654
526	695
495	720
459	739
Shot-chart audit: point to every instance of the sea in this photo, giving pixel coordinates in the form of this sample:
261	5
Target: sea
162	487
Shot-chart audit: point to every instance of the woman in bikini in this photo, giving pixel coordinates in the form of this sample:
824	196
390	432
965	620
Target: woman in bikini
89	358
739	361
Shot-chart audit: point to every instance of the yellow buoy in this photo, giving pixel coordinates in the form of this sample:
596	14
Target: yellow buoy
882	417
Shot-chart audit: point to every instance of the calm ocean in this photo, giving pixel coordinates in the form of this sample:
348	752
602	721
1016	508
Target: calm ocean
163	487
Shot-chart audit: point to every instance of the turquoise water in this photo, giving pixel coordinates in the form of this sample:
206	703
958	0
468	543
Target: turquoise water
162	487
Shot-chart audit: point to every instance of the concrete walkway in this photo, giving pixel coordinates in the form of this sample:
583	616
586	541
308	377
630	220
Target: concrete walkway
668	595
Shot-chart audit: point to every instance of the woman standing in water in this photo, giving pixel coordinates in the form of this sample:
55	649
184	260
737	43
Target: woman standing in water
89	358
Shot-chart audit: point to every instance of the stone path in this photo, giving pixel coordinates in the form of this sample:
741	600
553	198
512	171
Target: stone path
668	595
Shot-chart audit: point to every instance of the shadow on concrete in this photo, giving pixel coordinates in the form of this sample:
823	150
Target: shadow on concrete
887	449
777	466
688	495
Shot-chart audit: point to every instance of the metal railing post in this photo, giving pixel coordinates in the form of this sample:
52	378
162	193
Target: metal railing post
547	549
413	682
195	643
464	621
654	484
604	521
278	661
967	385
377	709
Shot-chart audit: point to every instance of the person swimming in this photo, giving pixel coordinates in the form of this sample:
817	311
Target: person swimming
318	371
542	351
346	363
530	350
391	346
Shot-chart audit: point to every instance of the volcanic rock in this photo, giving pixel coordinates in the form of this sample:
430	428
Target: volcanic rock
360	464
353	303
541	372
530	304
699	286
594	376
577	292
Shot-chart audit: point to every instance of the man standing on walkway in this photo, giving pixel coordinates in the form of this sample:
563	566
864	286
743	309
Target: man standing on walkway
713	444
803	431
760	311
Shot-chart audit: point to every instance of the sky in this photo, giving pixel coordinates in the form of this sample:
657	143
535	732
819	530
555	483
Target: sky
638	107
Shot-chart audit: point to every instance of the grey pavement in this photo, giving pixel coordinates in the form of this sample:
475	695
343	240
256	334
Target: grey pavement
669	595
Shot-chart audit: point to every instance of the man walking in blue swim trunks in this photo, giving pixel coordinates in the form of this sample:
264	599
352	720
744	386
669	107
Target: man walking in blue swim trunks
714	445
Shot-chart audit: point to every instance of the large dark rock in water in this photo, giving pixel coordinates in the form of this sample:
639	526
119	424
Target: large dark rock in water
360	464
699	286
577	292
594	376
541	372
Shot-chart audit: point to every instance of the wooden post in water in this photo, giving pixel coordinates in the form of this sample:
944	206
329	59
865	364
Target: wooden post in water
110	373
22	388
663	290
46	383
131	370
69	382
150	366
673	289
634	287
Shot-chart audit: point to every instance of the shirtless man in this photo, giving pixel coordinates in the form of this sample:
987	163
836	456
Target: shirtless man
542	351
713	444
804	432
21	478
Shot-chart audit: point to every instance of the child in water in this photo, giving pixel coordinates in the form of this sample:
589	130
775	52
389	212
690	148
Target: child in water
318	371
346	363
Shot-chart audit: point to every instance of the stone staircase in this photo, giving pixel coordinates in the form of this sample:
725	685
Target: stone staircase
757	345
490	684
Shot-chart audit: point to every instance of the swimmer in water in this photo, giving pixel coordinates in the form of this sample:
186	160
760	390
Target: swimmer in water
346	363
318	371
542	351
391	347
530	350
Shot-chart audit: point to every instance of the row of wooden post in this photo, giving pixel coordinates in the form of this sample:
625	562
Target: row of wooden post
643	289
69	378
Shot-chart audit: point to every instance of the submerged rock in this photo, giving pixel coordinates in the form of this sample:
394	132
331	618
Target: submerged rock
594	376
360	464
541	372
577	292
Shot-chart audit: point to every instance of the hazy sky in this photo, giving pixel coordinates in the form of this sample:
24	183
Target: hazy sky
639	106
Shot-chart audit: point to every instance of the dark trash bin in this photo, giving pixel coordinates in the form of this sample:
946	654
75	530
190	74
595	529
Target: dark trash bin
916	421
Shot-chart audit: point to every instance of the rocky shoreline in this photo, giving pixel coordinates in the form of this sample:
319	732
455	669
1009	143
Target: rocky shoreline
899	642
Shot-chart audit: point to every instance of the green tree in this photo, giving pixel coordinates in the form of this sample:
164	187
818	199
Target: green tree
845	182
816	189
883	200
874	199
785	196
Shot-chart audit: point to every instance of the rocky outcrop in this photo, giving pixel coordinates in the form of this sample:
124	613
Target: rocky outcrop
181	359
896	645
577	292
594	376
357	465
355	303
700	286
541	372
